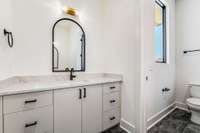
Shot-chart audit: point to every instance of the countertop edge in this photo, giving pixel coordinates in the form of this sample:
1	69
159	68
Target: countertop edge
52	88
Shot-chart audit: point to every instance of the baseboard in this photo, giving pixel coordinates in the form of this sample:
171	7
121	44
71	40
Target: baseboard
160	115
128	127
182	106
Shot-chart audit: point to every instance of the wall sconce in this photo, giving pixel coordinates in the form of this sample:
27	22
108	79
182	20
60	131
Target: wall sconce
70	11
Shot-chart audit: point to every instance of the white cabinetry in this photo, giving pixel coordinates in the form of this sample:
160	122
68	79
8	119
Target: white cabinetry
29	101
28	113
86	109
33	121
78	110
67	111
92	110
111	105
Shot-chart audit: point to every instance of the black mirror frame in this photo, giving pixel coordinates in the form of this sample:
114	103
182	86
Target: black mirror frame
84	41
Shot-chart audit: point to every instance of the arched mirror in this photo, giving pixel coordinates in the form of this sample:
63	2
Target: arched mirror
68	40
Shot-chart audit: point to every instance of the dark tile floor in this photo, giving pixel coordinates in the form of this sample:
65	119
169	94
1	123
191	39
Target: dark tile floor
176	122
115	129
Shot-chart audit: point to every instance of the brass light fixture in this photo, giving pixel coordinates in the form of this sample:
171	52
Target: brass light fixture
70	11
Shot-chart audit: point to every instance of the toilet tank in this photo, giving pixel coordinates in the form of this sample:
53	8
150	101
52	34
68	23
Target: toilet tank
195	91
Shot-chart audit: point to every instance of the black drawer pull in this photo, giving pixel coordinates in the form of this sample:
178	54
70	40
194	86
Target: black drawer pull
112	118
31	124
112	101
112	87
30	101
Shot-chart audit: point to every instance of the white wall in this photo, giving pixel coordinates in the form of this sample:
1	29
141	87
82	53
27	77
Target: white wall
5	51
187	38
122	53
160	75
31	24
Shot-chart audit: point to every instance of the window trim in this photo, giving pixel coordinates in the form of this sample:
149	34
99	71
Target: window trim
164	20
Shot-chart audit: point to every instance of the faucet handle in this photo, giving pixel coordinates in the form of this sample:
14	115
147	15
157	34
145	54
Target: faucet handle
72	69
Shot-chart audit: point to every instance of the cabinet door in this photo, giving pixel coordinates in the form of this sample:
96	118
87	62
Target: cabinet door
92	110
67	111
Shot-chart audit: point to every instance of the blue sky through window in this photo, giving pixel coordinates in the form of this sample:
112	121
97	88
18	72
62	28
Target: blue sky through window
159	42
160	33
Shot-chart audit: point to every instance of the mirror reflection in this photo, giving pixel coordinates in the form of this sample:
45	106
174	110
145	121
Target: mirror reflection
68	46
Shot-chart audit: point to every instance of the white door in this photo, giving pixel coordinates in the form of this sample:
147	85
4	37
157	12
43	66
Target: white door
67	111
92	109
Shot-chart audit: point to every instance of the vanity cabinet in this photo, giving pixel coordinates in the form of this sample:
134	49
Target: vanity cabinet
78	110
85	109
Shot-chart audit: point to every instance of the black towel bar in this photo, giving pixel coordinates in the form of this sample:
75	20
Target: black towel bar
190	51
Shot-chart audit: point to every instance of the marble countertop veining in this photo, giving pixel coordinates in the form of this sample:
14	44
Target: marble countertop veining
26	84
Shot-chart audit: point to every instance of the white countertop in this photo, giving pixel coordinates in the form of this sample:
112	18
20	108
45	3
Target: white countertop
26	84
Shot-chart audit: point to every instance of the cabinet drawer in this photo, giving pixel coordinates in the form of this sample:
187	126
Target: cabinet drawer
33	121
109	88
111	118
23	102
111	101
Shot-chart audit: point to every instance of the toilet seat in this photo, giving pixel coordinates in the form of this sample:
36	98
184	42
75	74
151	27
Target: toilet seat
194	103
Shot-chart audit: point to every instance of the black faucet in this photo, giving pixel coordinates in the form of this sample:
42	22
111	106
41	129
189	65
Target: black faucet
71	74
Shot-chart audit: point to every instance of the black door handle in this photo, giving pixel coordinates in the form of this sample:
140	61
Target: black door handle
85	93
30	101
80	93
31	124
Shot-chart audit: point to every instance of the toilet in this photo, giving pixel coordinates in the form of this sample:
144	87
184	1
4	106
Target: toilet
194	104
